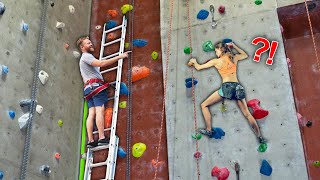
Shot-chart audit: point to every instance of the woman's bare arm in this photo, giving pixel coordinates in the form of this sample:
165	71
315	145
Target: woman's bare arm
193	62
242	55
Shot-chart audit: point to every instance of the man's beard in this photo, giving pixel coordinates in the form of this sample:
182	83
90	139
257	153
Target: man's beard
91	49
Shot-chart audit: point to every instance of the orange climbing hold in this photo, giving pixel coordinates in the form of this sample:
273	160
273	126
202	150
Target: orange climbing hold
112	13
156	164
107	118
57	155
139	73
111	36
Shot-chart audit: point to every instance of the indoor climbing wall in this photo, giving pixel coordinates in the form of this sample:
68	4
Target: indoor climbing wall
57	122
270	84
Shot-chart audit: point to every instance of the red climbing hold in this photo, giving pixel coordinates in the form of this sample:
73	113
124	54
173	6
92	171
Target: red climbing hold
111	36
112	13
197	155
220	173
222	9
258	112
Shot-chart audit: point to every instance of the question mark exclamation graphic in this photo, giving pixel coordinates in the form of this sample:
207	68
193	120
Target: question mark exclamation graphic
274	46
264	48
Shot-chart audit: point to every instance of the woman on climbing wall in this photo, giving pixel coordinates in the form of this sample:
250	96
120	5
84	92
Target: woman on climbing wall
226	64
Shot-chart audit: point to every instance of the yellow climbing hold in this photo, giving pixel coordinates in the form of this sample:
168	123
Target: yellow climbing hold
126	45
60	122
138	149
154	55
123	104
126	8
223	107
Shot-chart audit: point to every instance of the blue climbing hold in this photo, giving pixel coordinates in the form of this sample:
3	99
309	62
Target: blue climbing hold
124	89
111	24
217	133
139	42
12	114
203	14
265	168
2	8
224	41
5	69
25	27
1	175
189	82
121	152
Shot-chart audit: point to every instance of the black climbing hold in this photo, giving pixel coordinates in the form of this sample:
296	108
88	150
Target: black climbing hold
51	3
311	6
309	124
2	8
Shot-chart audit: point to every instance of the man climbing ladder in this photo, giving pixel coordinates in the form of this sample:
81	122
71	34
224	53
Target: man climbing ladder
94	88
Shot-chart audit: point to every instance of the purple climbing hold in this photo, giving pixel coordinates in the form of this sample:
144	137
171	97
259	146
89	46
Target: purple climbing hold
2	8
265	168
5	69
203	14
111	24
139	42
12	114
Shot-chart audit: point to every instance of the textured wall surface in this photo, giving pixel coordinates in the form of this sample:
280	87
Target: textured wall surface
242	22
61	97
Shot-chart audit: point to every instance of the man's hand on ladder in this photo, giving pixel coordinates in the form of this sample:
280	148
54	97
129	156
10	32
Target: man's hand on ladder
125	54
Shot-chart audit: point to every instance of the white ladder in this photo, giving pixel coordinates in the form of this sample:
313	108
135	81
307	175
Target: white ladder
114	140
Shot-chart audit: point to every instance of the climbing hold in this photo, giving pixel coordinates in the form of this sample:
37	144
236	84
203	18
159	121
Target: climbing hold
121	152
112	13
123	104
126	8
258	112
126	45
51	3
25	27
2	10
60	25
197	155
258	2
45	170
315	163
263	147
156	164
60	123
220	173
108	118
265	168
111	36
124	89
189	86
154	55
12	114
309	124
187	50
203	14
76	54
281	28
289	62
226	41
5	69
221	9
1	175
26	102
98	27
110	24
23	120
218	133
138	149
39	109
207	46
71	9
57	155
139	42
223	107
43	76
66	46
139	73
196	136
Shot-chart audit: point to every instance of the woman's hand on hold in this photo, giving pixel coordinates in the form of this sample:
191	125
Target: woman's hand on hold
192	61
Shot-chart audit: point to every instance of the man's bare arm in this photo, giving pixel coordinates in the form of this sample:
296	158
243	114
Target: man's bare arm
108	62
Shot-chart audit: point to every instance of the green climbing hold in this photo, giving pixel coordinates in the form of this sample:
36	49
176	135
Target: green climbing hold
123	104
60	123
263	147
187	50
207	46
258	2
316	163
154	55
126	45
223	107
196	136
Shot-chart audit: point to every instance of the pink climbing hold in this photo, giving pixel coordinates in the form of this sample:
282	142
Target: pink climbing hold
301	120
289	62
197	155
66	46
281	28
222	9
220	173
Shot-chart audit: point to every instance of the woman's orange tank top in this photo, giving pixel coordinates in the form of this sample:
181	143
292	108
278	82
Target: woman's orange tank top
228	68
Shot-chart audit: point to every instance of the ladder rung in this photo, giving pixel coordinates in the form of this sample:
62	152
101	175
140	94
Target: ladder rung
96	132
112	42
113	29
110	56
108	70
98	148
98	164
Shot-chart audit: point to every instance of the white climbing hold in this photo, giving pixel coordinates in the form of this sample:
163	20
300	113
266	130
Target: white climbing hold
76	54
98	27
71	9
43	76
39	109
60	25
23	120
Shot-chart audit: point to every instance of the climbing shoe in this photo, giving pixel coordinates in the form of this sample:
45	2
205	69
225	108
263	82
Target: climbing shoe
103	142
92	144
206	132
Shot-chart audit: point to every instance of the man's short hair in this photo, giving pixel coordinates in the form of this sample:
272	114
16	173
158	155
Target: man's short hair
80	41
